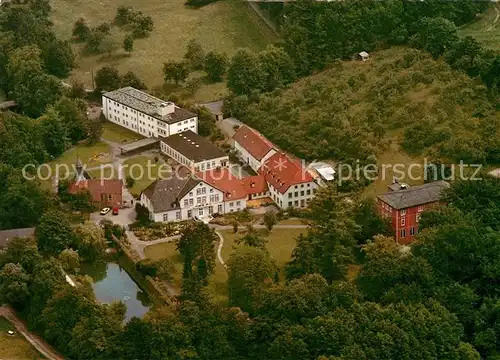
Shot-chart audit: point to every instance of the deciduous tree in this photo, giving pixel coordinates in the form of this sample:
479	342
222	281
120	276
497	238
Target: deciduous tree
215	65
54	233
176	71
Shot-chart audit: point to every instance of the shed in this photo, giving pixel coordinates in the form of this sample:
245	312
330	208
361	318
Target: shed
363	55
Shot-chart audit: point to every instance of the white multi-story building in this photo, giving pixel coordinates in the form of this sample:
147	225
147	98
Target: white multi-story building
193	151
145	114
289	183
253	148
207	193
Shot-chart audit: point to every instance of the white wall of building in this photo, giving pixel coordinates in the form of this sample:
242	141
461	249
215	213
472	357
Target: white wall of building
248	159
142	123
201	165
296	195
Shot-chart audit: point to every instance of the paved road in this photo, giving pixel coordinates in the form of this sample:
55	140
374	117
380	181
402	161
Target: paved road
37	342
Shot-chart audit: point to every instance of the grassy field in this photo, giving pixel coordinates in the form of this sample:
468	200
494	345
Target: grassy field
90	155
280	245
144	177
222	26
15	347
486	29
119	134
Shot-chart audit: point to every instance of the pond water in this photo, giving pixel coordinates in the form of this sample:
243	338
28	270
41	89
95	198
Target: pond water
112	283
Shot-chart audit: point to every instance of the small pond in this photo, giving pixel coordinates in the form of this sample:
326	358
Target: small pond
112	283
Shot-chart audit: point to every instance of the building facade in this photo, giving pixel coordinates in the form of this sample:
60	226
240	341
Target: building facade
198	196
193	151
145	114
253	148
404	205
289	184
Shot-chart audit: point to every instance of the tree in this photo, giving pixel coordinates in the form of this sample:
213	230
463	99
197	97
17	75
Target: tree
107	79
131	79
54	132
97	336
195	55
252	238
94	40
95	128
177	71
73	114
250	271
128	44
22	251
215	65
130	181
277	66
81	30
122	16
369	222
142	25
64	309
39	92
197	246
245	74
14	285
90	241
328	246
54	233
69	260
270	220
59	59
436	35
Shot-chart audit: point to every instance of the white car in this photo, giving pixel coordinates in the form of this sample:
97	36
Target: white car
105	211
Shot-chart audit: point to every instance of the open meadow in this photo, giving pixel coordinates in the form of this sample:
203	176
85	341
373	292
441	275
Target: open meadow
486	29
222	26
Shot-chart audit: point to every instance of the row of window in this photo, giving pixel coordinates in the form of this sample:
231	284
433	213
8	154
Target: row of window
296	193
403	219
200	212
295	203
412	231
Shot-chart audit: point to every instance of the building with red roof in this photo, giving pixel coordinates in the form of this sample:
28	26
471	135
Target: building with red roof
289	183
253	148
256	187
103	192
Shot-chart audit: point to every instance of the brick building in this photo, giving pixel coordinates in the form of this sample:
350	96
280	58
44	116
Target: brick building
405	204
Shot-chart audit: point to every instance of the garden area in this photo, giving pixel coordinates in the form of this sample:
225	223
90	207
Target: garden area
15	347
280	244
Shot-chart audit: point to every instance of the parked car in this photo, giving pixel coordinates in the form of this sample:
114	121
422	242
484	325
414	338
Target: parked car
115	211
105	211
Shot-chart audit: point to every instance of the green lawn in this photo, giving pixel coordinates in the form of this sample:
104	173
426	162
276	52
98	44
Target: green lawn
222	26
15	347
119	134
90	155
280	245
486	29
144	177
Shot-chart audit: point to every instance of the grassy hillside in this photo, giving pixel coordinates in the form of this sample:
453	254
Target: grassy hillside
399	99
223	26
486	29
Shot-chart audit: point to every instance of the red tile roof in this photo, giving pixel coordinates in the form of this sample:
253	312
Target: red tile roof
222	179
255	143
255	184
282	172
96	187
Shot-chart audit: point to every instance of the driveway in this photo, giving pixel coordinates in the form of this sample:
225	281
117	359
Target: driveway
227	126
